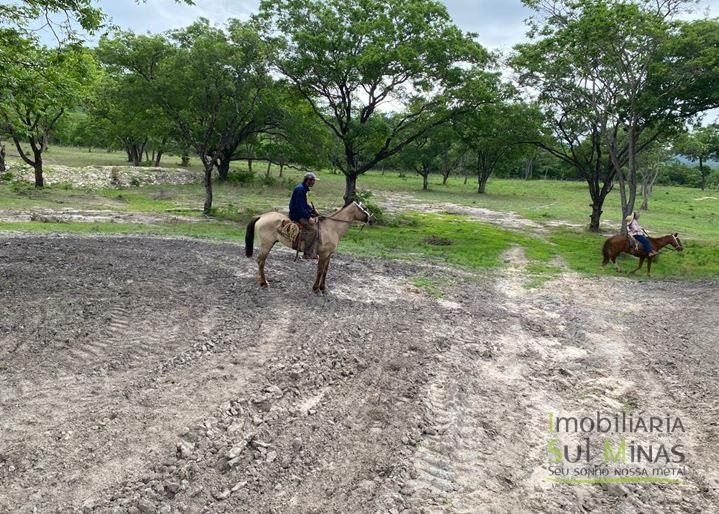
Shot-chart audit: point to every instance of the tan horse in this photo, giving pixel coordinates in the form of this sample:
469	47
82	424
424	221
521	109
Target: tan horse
615	245
330	230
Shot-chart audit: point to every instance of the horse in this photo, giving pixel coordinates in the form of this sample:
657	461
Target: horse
617	244
330	230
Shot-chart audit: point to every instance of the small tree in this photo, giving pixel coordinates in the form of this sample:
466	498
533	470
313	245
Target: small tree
701	144
497	133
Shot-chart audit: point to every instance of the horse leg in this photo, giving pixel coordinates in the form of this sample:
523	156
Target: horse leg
649	266
641	261
324	275
261	258
616	266
318	279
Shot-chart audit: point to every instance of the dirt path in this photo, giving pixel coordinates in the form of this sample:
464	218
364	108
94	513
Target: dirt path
146	375
400	202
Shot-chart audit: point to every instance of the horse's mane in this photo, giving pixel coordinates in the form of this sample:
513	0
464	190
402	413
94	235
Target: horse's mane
337	211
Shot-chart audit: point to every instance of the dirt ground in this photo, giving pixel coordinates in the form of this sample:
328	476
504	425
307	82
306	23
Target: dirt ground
154	375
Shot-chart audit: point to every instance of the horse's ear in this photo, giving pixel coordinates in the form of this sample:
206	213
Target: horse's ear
676	234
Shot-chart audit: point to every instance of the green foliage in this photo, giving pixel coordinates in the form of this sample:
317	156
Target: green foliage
348	57
36	96
241	177
701	144
367	199
493	135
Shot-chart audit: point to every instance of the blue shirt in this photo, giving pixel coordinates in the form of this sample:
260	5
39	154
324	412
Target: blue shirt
299	207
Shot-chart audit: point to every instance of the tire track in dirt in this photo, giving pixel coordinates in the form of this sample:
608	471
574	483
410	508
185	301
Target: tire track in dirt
564	348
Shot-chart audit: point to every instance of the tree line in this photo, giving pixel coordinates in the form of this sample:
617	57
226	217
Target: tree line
605	87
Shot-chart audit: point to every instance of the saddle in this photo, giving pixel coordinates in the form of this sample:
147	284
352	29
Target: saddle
292	231
632	244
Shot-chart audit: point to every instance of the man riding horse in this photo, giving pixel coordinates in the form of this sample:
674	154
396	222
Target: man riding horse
305	214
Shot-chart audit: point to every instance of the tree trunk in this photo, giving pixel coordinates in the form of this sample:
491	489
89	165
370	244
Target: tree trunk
208	163
466	177
702	174
595	216
223	166
128	149
39	179
249	165
158	157
3	166
282	167
185	158
425	180
482	182
269	166
350	188
528	168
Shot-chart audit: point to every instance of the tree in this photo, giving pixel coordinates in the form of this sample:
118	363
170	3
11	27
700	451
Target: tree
300	141
352	59
212	87
650	164
496	133
36	97
423	155
125	98
609	63
701	144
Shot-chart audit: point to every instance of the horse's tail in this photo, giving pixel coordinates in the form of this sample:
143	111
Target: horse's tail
606	251
250	236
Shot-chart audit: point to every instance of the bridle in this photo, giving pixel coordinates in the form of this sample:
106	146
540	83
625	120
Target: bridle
678	244
364	211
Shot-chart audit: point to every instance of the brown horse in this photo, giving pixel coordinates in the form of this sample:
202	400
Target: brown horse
330	230
620	243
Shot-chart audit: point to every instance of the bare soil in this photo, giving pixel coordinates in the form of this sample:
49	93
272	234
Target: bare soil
154	375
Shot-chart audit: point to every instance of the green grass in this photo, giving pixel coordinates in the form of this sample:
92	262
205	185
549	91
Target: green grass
472	245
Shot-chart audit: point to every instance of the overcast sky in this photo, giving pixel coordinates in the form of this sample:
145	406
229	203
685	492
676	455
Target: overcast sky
499	23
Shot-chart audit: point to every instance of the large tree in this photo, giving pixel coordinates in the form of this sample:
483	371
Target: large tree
125	98
210	82
609	64
34	98
495	134
353	59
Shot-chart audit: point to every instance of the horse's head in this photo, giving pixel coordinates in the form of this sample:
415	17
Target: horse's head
676	242
362	213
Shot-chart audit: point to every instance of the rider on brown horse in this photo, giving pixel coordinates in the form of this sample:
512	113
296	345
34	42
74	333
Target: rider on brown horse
301	212
637	232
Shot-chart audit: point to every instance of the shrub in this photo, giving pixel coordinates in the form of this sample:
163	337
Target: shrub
241	177
377	212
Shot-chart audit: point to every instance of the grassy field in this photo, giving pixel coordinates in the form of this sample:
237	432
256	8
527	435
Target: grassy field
407	235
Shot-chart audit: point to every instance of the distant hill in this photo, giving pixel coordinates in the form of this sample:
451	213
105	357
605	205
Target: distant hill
684	160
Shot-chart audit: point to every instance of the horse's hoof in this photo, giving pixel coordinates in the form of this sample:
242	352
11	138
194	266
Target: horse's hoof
264	284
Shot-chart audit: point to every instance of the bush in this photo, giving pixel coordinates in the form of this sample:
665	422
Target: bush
7	176
241	177
21	187
268	181
377	212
